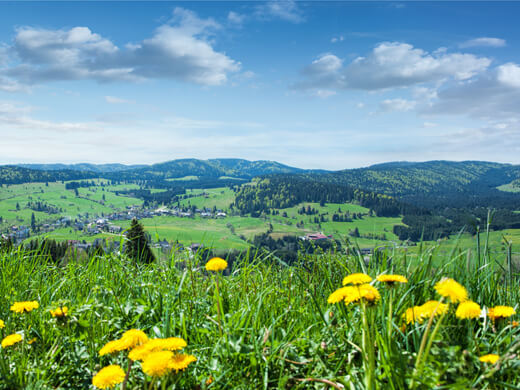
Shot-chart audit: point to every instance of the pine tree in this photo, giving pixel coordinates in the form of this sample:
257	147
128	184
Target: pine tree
137	247
33	222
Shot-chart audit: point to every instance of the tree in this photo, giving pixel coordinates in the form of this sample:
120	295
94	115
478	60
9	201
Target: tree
33	222
137	246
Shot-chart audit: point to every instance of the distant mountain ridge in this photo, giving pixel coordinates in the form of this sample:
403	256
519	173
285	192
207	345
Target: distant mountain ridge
414	182
214	168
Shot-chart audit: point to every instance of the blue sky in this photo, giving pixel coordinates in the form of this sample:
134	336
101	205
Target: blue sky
311	84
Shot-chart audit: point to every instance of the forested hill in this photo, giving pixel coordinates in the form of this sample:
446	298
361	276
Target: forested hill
211	168
81	167
281	191
434	183
16	175
207	169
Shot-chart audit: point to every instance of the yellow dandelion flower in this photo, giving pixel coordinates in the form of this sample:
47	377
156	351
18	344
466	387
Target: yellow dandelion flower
169	344
369	293
392	279
108	377
181	361
433	308
366	291
132	338
468	310
500	312
140	352
209	381
216	264
449	288
338	295
11	340
2	324
24	307
111	347
33	340
358	278
514	324
157	363
412	315
60	312
420	313
491	358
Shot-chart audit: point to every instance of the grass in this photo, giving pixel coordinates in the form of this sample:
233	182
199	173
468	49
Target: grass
277	329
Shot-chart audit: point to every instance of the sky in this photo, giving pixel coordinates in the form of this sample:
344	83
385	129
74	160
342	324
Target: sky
328	85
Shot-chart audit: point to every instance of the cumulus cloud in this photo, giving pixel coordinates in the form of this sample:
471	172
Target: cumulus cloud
484	41
398	104
286	10
391	65
180	50
494	97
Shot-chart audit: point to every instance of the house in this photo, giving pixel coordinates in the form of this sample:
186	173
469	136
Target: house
316	237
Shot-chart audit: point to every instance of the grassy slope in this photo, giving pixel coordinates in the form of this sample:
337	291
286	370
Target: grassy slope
278	328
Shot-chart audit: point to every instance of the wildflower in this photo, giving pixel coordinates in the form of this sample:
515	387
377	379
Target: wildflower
425	311
358	278
449	288
500	312
390	280
412	315
111	347
157	363
33	340
2	324
515	324
108	377
467	310
491	358
60	312
338	295
26	306
366	291
216	264
181	361
140	352
434	308
170	344
11	340
132	338
154	345
209	381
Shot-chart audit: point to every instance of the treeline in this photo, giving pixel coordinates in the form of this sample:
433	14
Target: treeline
73	185
17	175
282	191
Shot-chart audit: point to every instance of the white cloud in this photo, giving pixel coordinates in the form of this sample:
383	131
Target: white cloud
337	39
398	104
509	75
236	18
116	100
484	41
428	125
287	10
391	65
180	50
494	97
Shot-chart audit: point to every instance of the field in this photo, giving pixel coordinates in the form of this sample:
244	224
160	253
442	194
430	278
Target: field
93	200
231	232
260	324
